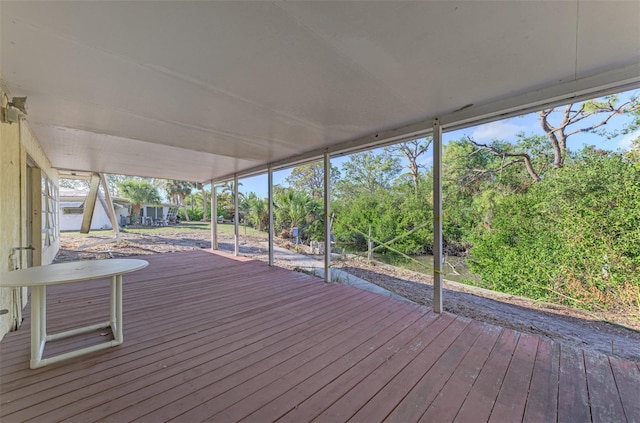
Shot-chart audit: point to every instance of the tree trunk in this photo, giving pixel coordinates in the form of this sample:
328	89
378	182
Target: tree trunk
204	204
186	213
135	213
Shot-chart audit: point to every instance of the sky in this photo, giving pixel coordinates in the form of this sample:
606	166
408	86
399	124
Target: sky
506	129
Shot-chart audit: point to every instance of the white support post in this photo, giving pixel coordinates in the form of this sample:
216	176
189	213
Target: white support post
327	217
90	203
271	228
214	217
236	217
109	201
437	216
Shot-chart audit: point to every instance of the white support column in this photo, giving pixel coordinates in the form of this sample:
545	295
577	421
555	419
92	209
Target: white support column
90	203
214	217
112	210
327	217
270	200
236	217
437	216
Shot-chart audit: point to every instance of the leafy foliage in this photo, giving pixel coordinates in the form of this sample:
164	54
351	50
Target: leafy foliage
309	178
139	192
571	238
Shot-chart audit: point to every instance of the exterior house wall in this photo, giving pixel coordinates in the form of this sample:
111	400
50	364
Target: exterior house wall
22	166
70	212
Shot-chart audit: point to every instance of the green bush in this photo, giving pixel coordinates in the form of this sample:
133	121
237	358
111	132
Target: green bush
574	237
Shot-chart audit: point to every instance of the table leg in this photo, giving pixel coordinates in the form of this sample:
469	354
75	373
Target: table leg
116	308
43	313
112	303
38	323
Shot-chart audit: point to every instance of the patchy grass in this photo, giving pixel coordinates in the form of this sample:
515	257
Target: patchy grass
223	229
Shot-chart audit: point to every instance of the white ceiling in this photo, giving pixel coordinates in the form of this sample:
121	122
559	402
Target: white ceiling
200	90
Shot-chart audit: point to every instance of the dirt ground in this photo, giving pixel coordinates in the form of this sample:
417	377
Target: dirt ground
610	334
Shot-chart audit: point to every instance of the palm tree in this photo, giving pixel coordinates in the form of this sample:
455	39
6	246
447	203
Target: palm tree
291	208
200	186
139	192
258	211
177	192
228	191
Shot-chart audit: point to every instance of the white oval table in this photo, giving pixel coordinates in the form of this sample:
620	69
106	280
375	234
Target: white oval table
38	278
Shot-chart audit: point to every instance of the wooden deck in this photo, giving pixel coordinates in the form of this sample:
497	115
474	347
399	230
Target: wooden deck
209	337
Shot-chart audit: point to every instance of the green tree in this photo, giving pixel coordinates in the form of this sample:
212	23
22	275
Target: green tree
257	211
368	173
412	151
296	209
177	191
391	214
310	178
572	238
560	123
139	192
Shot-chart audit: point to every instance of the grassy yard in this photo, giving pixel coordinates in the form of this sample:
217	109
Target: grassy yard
223	229
187	227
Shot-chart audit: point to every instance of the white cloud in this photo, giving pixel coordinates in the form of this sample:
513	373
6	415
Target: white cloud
625	142
501	130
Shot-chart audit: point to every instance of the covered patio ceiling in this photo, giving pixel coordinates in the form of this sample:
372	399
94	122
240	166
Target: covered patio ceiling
202	90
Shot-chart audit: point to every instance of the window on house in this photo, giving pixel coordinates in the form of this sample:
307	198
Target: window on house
50	224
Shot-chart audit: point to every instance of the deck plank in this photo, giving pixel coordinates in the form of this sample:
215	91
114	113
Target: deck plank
477	405
573	396
298	371
200	391
627	377
603	393
443	409
199	344
314	394
386	399
339	376
512	398
542	403
213	337
418	399
148	380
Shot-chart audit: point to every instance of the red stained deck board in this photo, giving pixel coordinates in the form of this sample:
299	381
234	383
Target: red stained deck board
205	401
298	371
476	407
349	371
148	380
381	346
413	406
136	331
234	339
603	393
512	398
198	342
443	408
542	403
627	377
385	400
234	363
573	397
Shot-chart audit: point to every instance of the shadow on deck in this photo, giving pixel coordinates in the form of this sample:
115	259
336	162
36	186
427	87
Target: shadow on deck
209	337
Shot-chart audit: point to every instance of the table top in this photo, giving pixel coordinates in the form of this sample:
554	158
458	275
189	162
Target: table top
73	271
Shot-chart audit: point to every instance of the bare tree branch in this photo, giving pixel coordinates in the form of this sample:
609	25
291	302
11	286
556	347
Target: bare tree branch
524	157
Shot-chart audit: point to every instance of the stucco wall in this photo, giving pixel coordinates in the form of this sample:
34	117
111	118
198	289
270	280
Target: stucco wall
18	144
